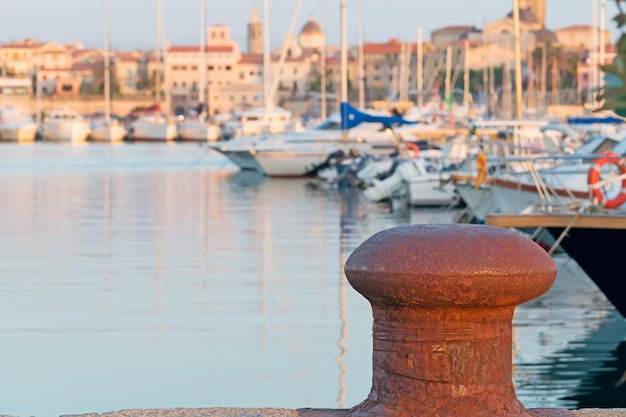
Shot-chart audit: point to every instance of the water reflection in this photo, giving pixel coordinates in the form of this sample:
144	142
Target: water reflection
142	276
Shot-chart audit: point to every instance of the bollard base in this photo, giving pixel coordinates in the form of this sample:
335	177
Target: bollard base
327	412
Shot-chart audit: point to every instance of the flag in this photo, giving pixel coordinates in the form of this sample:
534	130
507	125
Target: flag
481	163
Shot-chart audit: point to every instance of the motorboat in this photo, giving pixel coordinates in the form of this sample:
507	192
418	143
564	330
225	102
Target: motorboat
419	176
16	126
152	128
65	125
296	154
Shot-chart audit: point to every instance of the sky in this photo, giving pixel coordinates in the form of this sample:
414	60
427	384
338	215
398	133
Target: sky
133	21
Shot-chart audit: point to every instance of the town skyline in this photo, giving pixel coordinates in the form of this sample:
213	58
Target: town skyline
133	26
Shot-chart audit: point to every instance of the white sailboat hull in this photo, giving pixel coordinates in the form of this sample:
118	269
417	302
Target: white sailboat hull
70	131
290	164
108	134
153	131
18	132
198	132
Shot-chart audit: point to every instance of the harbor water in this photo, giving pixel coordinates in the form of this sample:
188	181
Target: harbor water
157	276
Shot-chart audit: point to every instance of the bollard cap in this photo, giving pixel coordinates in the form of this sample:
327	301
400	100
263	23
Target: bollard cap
450	265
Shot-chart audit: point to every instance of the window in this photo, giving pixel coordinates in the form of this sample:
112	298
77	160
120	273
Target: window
227	67
66	87
295	70
183	67
210	67
194	68
174	67
242	76
184	84
175	84
232	98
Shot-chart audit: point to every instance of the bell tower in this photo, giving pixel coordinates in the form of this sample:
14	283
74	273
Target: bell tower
255	33
538	7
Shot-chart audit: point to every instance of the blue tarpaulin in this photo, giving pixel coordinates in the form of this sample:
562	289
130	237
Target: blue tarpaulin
594	120
352	117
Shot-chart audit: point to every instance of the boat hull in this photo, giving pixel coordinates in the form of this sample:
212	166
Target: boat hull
69	131
153	132
198	132
108	134
22	134
429	191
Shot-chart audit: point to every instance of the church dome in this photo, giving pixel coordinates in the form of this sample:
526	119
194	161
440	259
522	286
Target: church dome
311	27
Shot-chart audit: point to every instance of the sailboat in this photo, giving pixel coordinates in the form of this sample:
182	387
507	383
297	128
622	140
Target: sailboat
16	125
108	130
155	127
198	128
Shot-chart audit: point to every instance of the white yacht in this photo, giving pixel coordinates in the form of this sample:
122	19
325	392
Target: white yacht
294	154
15	125
65	125
152	128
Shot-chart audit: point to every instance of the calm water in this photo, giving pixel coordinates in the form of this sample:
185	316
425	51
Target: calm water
158	276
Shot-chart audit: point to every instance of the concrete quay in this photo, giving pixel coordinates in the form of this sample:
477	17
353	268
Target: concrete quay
283	412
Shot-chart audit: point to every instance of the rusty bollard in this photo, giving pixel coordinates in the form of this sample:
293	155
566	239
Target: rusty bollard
443	298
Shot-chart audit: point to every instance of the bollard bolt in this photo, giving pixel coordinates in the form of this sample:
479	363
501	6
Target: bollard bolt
443	298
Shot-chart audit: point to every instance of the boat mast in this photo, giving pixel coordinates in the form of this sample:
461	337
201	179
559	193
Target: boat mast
107	66
518	60
466	74
448	73
157	54
38	89
323	64
420	75
602	43
593	64
203	64
361	60
166	87
344	65
486	66
544	76
283	51
267	76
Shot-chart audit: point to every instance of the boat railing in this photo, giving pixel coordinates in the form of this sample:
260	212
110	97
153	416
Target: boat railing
546	174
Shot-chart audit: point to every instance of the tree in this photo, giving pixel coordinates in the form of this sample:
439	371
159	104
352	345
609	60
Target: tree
613	94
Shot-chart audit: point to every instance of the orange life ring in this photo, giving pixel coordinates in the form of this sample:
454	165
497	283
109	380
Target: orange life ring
413	147
593	177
